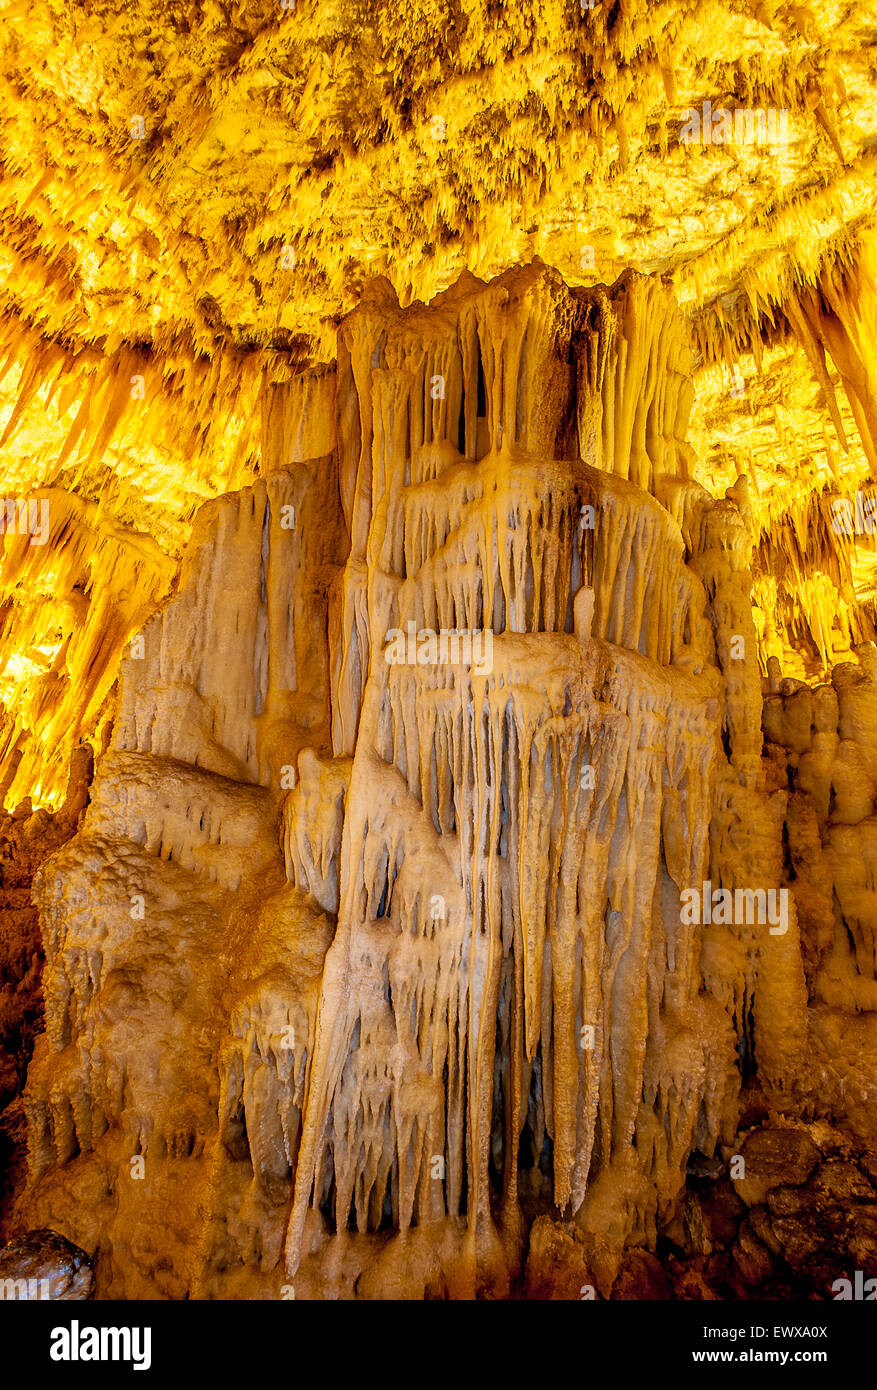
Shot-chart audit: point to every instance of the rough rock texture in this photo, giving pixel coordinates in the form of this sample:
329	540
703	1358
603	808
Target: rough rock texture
370	972
193	195
27	838
821	743
43	1265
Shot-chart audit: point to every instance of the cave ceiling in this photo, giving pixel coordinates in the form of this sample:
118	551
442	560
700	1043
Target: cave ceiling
194	196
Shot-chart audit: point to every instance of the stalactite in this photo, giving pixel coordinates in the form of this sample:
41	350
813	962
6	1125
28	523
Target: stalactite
414	777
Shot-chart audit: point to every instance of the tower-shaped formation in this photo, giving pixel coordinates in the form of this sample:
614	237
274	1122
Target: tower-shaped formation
390	928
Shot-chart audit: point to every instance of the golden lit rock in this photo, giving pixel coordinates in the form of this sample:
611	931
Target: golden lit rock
437	455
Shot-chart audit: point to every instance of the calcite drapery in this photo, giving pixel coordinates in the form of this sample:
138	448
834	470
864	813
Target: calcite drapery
357	964
194	201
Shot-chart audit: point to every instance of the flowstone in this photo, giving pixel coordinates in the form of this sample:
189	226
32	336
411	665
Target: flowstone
369	954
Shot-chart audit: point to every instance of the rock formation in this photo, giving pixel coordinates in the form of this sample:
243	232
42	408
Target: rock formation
27	838
438	650
435	919
189	204
43	1265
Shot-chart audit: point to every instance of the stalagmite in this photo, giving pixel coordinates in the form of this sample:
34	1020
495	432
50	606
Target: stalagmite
437	905
438	662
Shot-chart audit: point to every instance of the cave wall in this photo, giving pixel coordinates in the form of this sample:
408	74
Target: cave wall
361	960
